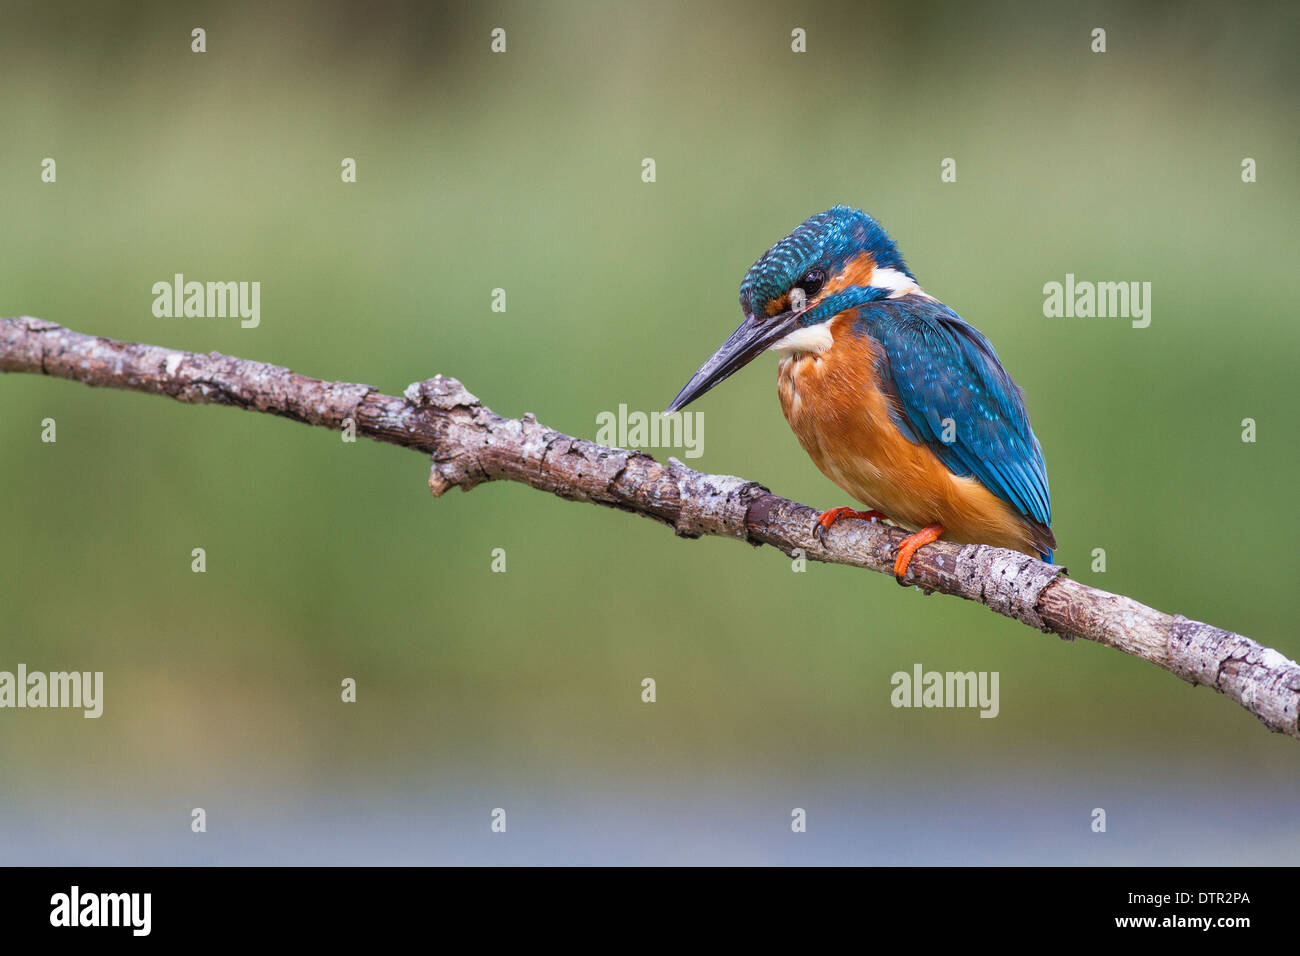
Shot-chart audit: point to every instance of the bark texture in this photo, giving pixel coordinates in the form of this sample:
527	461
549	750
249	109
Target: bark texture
470	444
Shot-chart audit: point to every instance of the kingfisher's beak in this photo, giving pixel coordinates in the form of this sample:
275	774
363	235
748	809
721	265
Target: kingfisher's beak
754	335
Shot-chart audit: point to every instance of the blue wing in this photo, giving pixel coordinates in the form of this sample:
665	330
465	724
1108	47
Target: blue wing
938	367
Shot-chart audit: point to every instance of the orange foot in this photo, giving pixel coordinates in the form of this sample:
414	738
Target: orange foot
909	547
828	518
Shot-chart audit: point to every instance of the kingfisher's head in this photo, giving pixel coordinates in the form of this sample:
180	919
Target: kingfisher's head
834	261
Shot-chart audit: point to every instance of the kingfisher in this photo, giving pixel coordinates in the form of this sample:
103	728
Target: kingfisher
898	400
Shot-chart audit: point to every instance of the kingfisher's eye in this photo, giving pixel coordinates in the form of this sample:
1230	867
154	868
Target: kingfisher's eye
812	282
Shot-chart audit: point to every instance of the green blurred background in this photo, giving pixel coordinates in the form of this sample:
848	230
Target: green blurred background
523	171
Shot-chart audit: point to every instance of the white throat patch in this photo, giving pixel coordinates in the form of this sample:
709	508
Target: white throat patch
816	339
812	340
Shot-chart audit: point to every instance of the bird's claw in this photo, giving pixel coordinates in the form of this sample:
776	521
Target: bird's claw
909	546
828	518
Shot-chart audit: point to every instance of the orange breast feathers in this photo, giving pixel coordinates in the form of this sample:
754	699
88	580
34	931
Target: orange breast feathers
840	415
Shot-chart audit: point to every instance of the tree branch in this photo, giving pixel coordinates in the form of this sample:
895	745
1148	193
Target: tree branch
470	444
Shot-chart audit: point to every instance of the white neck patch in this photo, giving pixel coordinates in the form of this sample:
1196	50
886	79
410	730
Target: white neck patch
816	339
897	283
